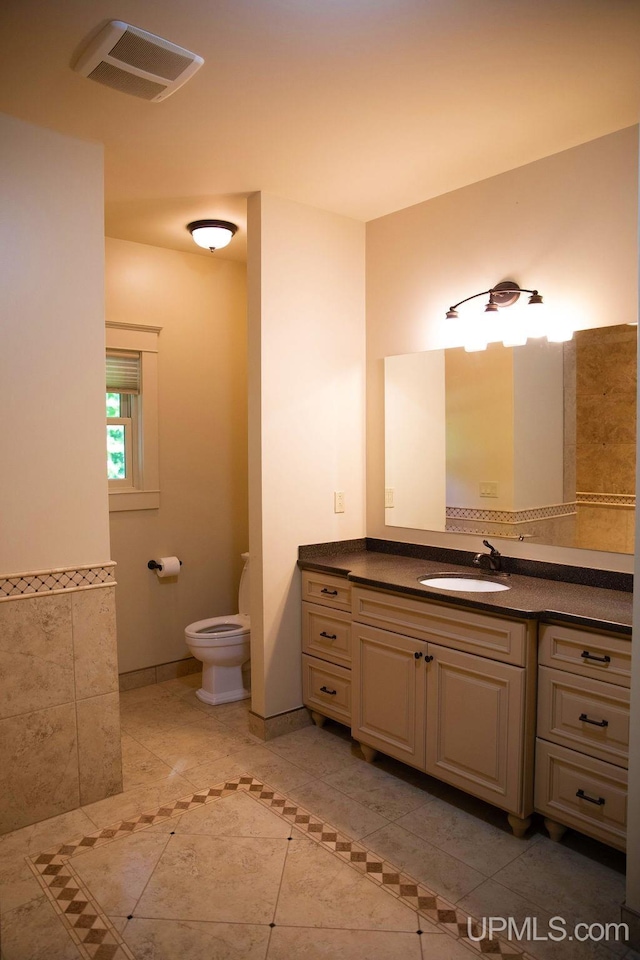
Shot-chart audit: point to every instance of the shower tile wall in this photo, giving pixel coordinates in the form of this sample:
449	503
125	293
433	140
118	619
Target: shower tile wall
606	434
59	721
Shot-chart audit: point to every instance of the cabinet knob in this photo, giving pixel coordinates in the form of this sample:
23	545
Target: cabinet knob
596	723
417	655
428	659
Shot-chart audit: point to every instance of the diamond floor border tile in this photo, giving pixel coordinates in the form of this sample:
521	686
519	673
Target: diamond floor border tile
97	939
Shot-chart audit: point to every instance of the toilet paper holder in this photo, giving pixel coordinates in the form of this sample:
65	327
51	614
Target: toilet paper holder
154	565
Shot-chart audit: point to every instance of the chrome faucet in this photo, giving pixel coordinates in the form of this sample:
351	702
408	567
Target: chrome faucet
492	561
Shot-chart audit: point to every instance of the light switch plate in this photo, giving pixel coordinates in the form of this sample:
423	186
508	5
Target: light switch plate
338	501
488	488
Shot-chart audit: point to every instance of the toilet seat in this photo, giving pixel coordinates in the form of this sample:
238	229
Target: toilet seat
218	630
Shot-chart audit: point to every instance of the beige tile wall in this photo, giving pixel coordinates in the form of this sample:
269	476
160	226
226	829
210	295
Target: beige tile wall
605	434
59	718
606	409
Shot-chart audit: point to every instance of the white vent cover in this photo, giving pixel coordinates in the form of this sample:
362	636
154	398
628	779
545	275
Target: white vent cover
136	62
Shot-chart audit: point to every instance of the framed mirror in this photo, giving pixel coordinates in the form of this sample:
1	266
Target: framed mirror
534	443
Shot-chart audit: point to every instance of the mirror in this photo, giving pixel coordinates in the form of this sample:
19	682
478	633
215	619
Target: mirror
534	443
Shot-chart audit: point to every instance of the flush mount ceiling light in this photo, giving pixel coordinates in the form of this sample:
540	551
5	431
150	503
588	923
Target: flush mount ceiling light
504	294
212	234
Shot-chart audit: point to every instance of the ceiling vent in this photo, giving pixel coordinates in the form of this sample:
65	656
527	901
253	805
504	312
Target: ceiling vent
136	62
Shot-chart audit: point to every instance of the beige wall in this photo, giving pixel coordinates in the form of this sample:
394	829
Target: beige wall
306	414
566	224
201	306
53	490
59	718
479	446
633	863
414	424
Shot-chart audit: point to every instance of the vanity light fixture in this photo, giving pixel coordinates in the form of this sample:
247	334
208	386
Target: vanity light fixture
504	294
212	234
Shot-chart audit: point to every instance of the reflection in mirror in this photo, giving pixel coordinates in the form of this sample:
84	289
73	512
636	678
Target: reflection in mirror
534	443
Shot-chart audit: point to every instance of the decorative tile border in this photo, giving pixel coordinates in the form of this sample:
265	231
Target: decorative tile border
60	580
97	939
511	516
607	499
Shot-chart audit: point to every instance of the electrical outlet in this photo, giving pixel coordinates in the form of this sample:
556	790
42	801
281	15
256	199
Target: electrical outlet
488	488
338	501
388	497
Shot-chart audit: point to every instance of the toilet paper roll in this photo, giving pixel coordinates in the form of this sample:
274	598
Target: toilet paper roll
168	567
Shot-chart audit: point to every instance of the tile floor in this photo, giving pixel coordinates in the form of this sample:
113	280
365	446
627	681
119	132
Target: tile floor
232	877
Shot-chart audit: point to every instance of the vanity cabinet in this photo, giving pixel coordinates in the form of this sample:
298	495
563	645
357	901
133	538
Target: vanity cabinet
583	732
326	647
470	698
449	691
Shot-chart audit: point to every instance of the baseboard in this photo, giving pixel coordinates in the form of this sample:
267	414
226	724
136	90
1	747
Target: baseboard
158	674
268	728
632	919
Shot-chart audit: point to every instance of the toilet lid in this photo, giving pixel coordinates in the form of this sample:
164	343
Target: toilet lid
219	626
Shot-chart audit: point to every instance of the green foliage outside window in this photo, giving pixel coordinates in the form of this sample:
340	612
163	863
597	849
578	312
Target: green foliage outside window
116	466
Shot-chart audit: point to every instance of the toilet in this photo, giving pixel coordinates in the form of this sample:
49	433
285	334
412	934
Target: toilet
223	645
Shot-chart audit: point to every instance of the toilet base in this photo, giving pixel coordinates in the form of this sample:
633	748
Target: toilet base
223	684
227	697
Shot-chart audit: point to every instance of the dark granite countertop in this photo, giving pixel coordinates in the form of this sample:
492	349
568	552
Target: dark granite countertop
530	597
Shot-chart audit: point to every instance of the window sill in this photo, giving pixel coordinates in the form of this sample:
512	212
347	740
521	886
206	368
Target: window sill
133	500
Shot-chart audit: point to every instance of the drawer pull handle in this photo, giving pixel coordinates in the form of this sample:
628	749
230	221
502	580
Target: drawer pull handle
596	723
590	656
417	655
330	593
331	693
329	636
600	802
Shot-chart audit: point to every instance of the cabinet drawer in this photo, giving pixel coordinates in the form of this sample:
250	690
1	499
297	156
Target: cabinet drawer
581	792
326	688
325	589
492	637
584	714
326	633
587	654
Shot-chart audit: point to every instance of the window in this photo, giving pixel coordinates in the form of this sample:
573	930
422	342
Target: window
132	416
123	414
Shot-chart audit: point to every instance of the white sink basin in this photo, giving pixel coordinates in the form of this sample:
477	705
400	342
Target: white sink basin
464	584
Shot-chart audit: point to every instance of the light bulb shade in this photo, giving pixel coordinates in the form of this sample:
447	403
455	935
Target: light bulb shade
537	318
212	234
560	333
517	337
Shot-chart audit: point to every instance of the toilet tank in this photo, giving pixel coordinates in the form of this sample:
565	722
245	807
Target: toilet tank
243	589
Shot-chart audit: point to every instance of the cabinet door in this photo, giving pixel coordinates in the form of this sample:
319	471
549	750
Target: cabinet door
475	725
388	695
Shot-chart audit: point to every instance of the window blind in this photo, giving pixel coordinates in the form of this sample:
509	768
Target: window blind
123	372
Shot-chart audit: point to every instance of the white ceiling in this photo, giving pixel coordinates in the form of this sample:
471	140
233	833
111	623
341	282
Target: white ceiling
361	107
